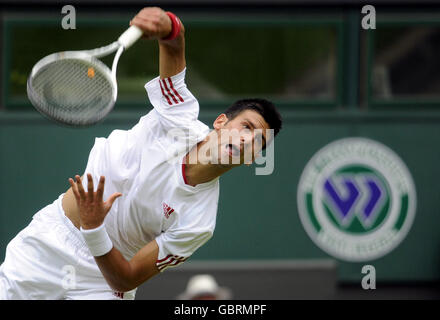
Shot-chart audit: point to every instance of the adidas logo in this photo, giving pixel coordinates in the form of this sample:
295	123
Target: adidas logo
167	210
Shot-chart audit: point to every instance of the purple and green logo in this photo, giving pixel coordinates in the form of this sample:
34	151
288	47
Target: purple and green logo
356	199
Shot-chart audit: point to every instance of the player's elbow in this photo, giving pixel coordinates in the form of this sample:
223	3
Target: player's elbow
121	285
128	282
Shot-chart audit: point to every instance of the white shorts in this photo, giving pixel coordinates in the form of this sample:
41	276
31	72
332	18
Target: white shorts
50	260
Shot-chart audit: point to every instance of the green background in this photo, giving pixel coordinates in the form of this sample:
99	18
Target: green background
258	216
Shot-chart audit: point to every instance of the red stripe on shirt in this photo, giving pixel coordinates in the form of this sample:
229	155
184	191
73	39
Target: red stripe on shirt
169	92
159	265
174	90
161	260
163	93
165	263
183	173
168	261
172	258
173	262
119	294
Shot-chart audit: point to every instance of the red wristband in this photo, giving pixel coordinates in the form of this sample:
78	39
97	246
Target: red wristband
175	26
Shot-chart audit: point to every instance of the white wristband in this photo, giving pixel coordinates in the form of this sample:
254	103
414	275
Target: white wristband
97	240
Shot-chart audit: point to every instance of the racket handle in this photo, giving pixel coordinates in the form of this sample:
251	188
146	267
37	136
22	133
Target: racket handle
130	36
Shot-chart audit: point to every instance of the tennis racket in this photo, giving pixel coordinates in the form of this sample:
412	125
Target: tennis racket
74	87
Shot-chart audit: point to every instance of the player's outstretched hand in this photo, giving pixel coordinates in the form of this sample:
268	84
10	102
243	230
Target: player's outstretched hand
154	22
92	209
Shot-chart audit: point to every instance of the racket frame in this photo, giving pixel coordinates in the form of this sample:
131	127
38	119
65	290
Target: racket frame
128	38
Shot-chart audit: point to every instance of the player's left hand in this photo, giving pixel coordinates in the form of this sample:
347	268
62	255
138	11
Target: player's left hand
92	209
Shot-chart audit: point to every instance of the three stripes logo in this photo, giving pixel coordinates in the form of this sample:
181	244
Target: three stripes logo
169	92
169	261
356	199
167	210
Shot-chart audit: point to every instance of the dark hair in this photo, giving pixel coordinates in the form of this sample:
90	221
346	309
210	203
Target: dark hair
264	107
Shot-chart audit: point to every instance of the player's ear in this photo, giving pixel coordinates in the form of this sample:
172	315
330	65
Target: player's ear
220	122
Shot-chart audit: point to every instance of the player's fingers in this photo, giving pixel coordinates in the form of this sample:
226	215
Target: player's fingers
100	190
142	23
108	204
79	185
90	187
150	13
149	27
74	189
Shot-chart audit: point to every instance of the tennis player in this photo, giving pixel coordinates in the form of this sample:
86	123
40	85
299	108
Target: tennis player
137	211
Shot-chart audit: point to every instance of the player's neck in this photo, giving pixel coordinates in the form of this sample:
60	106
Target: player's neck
201	173
199	167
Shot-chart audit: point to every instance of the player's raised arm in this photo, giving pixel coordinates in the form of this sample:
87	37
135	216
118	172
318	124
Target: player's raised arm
169	30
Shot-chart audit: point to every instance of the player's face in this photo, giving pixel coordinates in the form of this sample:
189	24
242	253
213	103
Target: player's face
241	138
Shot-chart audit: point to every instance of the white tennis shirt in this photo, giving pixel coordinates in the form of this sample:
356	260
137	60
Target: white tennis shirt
141	163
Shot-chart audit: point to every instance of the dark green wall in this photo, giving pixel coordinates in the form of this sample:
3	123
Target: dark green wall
258	217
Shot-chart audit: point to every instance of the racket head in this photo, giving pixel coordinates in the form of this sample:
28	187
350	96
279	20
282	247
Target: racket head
72	88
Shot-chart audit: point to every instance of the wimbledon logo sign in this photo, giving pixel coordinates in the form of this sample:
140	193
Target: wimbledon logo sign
356	199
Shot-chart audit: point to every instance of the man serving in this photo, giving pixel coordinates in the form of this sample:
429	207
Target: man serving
136	210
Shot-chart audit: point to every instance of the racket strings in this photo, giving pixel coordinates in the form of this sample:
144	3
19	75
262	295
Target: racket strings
73	91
